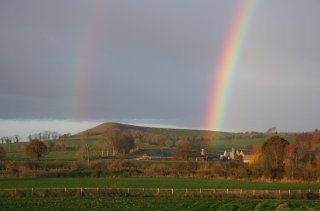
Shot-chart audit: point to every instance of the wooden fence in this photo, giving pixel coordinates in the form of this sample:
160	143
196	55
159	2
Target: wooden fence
172	192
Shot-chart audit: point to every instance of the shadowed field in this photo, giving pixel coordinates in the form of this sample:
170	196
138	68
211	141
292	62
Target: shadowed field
154	203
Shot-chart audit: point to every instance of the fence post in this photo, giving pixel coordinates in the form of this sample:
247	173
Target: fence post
158	191
128	190
227	191
143	190
289	193
253	192
186	191
81	191
65	190
172	191
200	191
280	194
31	191
15	191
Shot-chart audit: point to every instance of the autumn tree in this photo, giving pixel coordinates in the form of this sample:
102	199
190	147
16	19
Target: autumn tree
302	162
316	137
184	149
36	149
305	139
256	162
274	152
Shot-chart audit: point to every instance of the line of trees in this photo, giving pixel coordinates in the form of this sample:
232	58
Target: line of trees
10	139
45	135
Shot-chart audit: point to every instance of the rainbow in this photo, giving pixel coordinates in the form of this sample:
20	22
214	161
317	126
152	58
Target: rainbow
82	63
226	68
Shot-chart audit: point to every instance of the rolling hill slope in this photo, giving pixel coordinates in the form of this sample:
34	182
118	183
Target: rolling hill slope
106	127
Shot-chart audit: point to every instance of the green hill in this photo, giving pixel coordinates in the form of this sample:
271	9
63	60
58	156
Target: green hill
106	127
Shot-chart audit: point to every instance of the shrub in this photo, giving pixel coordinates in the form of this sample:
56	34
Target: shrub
185	168
158	170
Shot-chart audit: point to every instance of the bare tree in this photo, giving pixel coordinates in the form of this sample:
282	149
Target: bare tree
110	140
86	152
3	139
8	140
17	138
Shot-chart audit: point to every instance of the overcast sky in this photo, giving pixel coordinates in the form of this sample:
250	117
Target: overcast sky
151	62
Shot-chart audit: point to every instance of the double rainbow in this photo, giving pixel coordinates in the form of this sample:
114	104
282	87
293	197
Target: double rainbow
226	68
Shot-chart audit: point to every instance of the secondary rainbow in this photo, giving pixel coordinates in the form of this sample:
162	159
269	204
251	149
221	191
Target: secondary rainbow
82	63
226	68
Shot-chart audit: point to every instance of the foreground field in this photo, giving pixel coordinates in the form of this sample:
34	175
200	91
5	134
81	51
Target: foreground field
154	203
151	183
86	201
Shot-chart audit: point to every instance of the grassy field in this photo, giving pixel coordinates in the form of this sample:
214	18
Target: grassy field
154	203
151	183
61	156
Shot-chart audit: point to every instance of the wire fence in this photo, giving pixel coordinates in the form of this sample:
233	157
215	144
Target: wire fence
167	192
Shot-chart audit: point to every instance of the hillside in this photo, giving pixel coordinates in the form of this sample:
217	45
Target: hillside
105	127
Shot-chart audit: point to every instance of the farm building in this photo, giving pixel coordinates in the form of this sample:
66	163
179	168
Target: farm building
236	154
